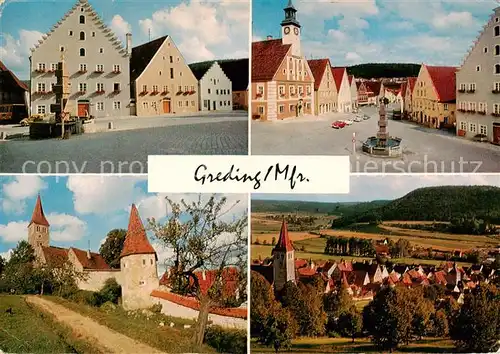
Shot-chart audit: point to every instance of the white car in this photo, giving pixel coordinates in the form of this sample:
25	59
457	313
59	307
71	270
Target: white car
358	119
347	121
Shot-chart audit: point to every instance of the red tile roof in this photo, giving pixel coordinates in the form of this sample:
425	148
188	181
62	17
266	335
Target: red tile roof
19	83
284	243
411	83
318	67
350	77
373	86
306	271
403	89
55	256
345	266
267	57
444	80
136	241
382	249
299	263
38	216
96	262
229	277
338	75
195	305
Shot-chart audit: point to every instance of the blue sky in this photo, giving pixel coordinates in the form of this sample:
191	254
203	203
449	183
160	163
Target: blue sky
202	29
367	188
435	32
83	209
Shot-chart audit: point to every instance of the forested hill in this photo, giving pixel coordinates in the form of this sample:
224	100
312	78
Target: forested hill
293	206
435	204
375	71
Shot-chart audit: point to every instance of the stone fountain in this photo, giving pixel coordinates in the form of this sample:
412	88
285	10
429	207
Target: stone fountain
383	144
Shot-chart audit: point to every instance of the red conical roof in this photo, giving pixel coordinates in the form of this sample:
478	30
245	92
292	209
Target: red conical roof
136	241
284	242
38	216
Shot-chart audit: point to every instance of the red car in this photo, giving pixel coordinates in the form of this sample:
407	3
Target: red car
338	124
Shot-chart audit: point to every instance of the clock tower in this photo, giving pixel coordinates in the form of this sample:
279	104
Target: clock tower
290	29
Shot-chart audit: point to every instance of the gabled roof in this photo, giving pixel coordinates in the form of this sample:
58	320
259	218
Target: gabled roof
350	77
235	69
411	83
142	56
136	241
338	75
18	82
229	277
373	86
55	256
200	69
96	262
318	67
284	243
444	81
91	15
267	57
38	216
403	89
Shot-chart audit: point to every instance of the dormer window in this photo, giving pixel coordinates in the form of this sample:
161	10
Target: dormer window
82	36
82	19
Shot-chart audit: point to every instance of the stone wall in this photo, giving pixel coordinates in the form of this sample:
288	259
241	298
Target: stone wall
95	279
171	307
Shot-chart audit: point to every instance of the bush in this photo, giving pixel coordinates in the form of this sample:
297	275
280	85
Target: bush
111	291
226	340
156	308
86	297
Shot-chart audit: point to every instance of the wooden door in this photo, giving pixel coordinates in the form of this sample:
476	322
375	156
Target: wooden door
496	134
166	106
83	108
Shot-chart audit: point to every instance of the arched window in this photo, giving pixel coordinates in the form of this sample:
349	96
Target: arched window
82	19
82	36
497	30
82	52
497	68
497	49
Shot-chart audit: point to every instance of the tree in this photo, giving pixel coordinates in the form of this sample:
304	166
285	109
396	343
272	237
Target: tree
476	327
112	247
277	331
350	323
111	291
201	236
2	264
440	324
19	276
262	303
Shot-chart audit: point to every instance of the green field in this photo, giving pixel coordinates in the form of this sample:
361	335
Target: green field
27	330
362	345
175	339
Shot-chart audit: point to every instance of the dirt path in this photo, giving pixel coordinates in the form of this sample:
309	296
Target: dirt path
100	336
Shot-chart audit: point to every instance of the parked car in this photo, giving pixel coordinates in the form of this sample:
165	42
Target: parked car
358	119
347	121
481	138
338	124
365	117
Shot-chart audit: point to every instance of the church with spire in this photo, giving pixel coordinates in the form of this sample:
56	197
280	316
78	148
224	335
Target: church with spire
282	81
138	273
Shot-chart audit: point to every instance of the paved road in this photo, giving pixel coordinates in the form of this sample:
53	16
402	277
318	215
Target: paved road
102	337
424	150
124	151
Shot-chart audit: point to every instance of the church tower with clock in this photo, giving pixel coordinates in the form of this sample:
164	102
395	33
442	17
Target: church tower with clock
290	29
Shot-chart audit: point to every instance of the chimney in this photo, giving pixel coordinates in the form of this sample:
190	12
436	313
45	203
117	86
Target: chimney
269	37
89	256
129	43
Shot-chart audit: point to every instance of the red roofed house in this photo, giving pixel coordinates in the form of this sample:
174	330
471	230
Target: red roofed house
354	92
362	93
283	259
344	95
92	264
13	96
282	82
408	98
478	85
325	91
373	89
434	96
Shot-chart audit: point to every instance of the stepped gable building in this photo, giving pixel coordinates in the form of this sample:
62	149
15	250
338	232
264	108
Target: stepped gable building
408	98
354	92
362	93
237	71
161	80
12	92
478	85
96	61
434	96
325	91
214	87
282	82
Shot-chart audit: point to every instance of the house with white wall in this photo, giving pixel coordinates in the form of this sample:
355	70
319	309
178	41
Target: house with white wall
214	87
344	95
354	92
96	61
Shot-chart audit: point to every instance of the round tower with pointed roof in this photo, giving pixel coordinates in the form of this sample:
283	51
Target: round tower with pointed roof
138	263
38	229
283	259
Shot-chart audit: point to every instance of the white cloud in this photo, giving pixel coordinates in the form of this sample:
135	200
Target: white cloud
14	231
352	57
453	19
96	194
15	52
6	255
120	27
19	190
203	30
64	227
